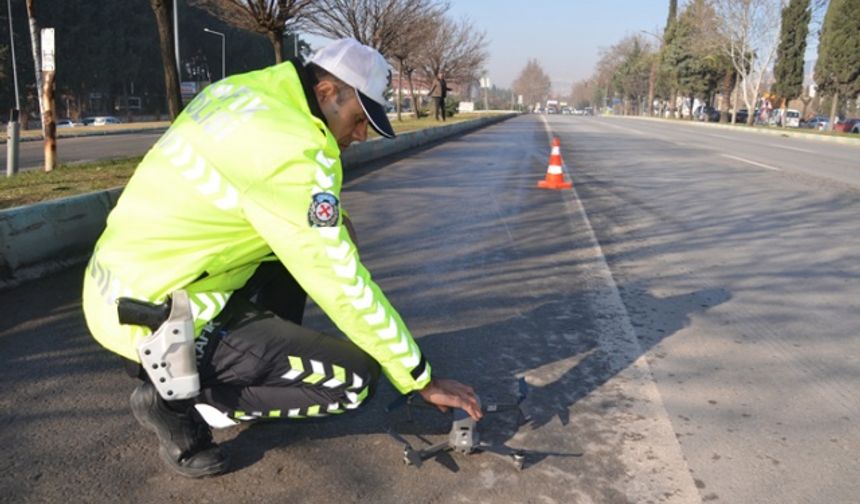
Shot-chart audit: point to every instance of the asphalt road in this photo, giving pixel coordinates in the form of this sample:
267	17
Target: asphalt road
738	259
83	149
686	321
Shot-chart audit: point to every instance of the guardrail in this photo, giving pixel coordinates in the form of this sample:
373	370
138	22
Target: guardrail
39	239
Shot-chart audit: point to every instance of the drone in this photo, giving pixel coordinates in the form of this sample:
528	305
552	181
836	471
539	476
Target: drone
464	437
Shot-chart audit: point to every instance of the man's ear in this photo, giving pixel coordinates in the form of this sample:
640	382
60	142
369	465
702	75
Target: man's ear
325	89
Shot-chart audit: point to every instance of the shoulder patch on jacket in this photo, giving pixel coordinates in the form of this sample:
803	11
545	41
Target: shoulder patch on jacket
324	210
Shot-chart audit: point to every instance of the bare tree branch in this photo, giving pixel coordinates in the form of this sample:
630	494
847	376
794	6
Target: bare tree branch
381	24
268	17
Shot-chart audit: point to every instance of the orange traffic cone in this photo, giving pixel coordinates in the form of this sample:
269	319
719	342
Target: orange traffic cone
554	176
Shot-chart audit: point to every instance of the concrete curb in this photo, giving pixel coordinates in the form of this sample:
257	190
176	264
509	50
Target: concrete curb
791	133
71	134
40	239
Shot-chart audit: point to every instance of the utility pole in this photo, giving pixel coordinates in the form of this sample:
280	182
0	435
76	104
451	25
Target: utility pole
12	130
34	43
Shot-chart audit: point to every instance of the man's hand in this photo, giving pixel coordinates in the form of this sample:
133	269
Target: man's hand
450	393
350	230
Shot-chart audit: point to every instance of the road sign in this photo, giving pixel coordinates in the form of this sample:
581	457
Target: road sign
48	63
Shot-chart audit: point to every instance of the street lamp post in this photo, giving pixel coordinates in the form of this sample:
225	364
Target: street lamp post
12	128
223	50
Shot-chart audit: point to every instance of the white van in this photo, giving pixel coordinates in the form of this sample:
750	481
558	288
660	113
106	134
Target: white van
792	118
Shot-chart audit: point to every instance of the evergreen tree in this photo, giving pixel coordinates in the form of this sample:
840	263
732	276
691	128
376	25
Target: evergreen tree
673	14
837	71
788	69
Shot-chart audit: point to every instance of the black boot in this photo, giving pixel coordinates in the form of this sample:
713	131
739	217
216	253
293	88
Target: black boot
186	440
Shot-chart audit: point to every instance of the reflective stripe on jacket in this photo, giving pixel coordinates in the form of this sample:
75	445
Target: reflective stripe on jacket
244	175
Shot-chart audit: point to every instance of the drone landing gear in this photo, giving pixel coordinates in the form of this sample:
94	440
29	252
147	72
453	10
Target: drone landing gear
464	437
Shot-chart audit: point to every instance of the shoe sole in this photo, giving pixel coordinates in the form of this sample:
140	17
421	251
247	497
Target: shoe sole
140	409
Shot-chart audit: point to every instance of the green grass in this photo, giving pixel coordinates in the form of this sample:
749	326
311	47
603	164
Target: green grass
409	123
66	180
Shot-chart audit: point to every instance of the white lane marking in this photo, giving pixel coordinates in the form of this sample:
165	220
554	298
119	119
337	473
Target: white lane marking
720	136
775	146
610	125
754	163
798	149
676	480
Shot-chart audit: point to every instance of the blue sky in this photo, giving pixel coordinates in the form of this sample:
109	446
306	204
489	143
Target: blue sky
565	36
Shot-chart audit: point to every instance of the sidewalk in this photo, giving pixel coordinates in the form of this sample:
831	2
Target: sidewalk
786	132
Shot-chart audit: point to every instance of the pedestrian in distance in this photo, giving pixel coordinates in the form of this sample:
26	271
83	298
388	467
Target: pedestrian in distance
231	220
439	91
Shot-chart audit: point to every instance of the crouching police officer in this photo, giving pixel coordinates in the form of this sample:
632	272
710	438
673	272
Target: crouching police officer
230	220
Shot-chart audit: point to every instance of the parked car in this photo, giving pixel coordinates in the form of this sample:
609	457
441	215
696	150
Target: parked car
741	116
67	123
817	122
105	120
848	126
792	118
706	113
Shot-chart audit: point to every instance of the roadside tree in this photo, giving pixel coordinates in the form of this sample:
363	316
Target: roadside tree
161	9
837	71
457	49
381	24
398	29
406	54
788	69
267	17
532	83
749	31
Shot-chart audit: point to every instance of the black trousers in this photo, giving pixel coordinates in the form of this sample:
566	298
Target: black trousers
256	361
439	107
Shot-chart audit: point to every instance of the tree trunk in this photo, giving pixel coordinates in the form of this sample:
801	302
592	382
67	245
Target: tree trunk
171	75
834	109
277	40
651	78
49	125
415	106
692	101
735	105
400	91
36	45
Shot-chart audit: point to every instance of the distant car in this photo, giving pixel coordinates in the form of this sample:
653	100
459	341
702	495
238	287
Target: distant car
707	113
817	123
88	121
105	120
848	126
66	123
792	118
742	115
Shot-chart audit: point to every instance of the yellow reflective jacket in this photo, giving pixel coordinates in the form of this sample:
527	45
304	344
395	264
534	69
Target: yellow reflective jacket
245	171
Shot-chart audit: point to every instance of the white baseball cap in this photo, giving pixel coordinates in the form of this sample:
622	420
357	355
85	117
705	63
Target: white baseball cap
366	70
